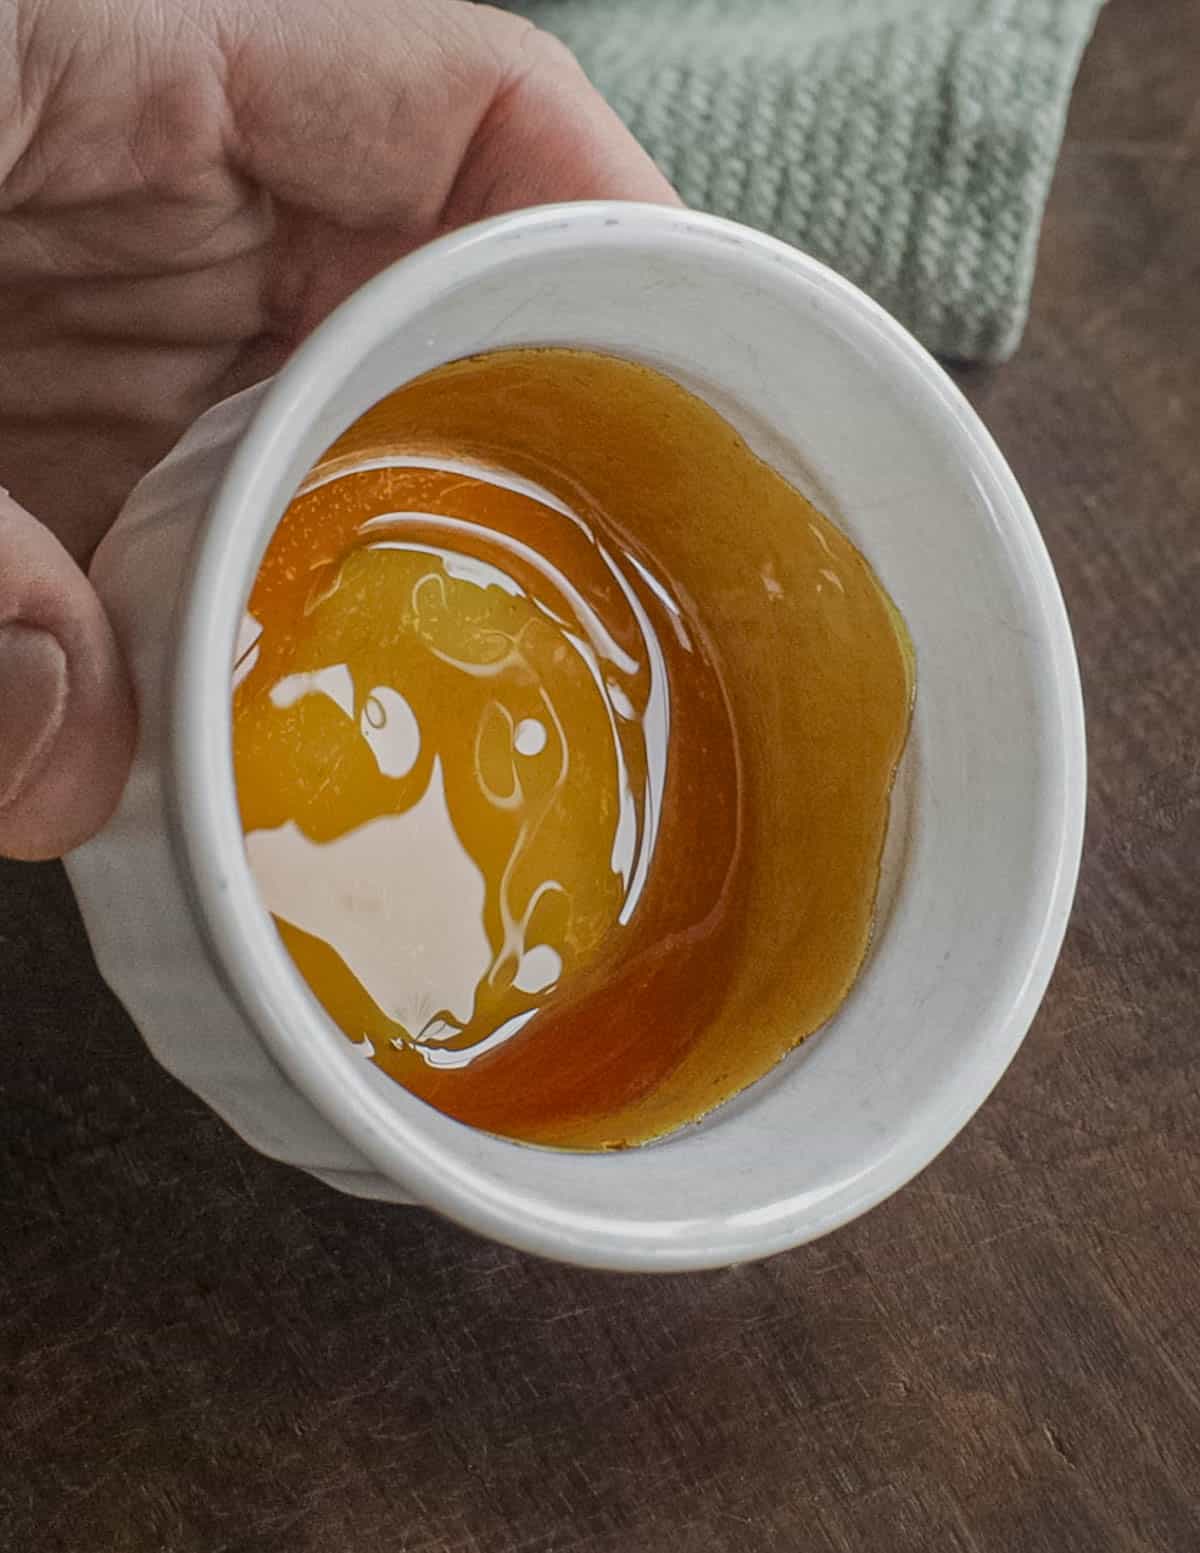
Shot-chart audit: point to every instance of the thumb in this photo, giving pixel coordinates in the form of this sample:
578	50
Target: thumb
66	706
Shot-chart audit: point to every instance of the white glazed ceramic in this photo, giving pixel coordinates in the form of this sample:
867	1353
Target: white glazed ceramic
988	820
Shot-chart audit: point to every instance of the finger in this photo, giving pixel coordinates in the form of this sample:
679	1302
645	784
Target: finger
547	134
66	707
371	114
375	126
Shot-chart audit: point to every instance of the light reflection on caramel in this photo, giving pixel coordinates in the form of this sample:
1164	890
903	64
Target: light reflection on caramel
486	680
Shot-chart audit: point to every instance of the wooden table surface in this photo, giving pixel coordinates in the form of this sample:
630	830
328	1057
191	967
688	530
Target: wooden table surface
203	1351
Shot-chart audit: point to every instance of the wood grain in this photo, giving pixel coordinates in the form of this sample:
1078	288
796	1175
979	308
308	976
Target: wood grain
202	1352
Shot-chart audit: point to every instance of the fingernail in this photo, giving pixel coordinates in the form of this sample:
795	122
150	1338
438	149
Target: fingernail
33	698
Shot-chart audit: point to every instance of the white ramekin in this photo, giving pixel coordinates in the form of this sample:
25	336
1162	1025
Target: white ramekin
988	817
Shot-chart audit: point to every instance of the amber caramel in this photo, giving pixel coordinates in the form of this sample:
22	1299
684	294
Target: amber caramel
564	736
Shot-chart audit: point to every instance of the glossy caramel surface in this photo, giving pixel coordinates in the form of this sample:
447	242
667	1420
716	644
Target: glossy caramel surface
564	734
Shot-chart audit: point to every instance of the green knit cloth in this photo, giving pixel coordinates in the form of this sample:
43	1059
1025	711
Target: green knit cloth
907	143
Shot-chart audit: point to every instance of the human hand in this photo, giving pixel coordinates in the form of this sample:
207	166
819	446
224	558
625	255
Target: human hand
187	188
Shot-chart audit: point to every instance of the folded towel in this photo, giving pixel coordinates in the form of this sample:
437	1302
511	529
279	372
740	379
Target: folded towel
908	143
